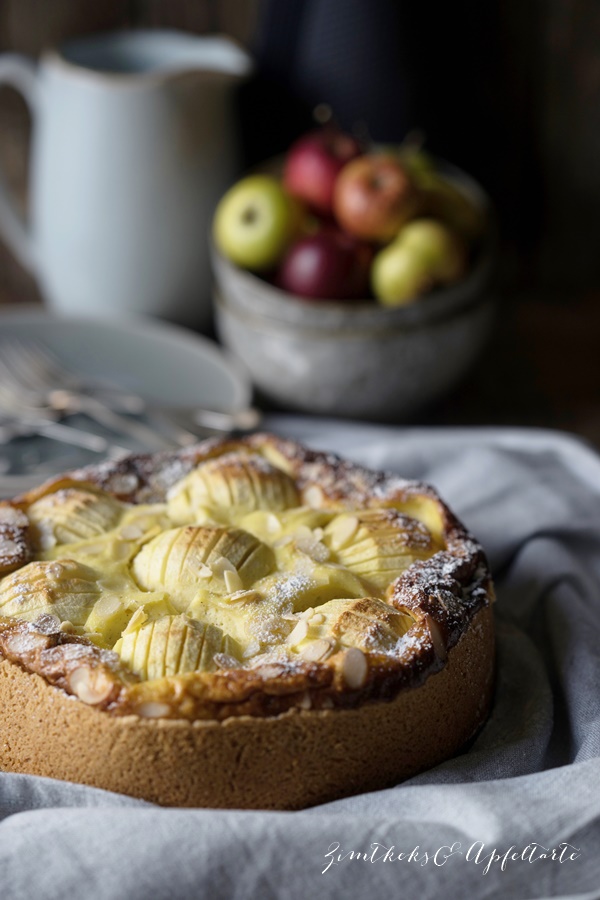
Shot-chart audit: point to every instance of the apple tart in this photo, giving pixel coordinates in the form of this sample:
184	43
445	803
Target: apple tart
245	623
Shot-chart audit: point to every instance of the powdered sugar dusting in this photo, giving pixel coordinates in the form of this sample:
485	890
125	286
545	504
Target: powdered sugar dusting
445	589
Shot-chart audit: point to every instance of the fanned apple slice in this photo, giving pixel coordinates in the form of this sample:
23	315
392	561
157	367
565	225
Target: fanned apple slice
230	486
305	584
173	645
366	623
66	589
378	544
71	515
227	559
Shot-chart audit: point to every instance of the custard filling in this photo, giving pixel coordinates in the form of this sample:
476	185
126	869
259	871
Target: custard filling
237	567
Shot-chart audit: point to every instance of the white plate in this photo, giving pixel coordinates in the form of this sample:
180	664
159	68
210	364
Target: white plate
163	363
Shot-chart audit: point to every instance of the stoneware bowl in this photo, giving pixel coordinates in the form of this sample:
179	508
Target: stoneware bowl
358	360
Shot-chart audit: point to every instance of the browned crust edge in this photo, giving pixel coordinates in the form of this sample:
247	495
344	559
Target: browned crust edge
294	760
443	594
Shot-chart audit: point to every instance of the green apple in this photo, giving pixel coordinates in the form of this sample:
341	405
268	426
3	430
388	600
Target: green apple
438	247
425	253
398	275
255	222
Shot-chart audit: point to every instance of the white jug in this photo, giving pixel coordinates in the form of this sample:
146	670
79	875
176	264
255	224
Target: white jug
132	144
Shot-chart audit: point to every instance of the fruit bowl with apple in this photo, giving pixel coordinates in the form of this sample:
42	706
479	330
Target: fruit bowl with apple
354	283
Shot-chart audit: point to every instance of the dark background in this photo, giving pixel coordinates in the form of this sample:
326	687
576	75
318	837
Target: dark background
510	91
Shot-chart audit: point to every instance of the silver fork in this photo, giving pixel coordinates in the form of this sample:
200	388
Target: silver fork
35	364
31	379
12	427
183	425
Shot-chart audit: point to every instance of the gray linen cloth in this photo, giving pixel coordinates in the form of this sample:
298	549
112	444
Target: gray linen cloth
517	815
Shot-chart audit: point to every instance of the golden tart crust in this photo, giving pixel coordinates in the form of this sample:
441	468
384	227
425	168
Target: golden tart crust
351	693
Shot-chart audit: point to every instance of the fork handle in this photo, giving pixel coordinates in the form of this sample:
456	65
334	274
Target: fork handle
21	74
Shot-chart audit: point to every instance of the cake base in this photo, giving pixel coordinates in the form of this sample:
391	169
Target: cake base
298	759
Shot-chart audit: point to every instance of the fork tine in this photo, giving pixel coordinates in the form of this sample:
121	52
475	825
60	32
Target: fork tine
35	380
10	375
42	371
16	370
46	365
28	366
5	372
34	366
50	372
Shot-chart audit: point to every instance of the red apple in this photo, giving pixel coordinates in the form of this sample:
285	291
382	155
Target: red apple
326	266
374	197
313	164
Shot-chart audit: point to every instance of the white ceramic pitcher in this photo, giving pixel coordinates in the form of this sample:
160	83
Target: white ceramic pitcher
133	143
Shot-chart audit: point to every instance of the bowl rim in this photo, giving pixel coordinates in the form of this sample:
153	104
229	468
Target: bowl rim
263	300
348	330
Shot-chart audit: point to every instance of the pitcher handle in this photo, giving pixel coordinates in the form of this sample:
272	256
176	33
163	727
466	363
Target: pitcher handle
20	73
